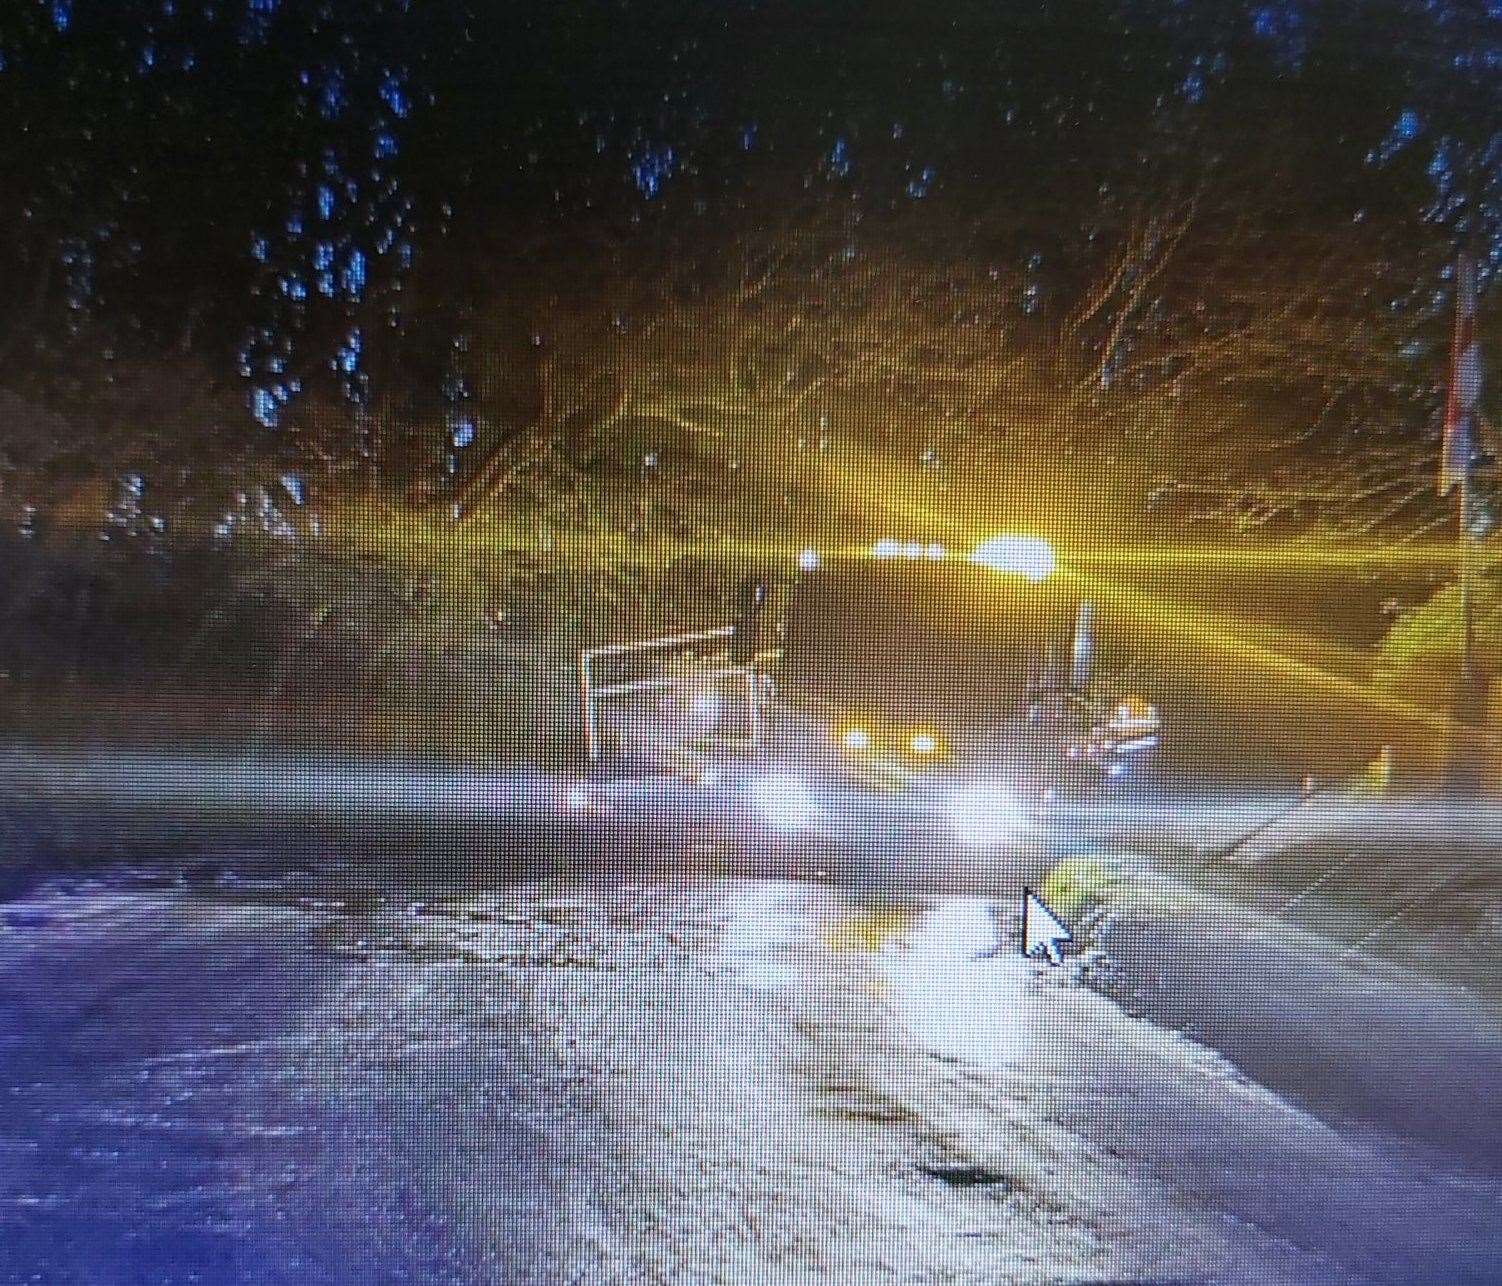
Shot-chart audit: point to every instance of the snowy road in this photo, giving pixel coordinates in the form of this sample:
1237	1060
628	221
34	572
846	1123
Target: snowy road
686	1080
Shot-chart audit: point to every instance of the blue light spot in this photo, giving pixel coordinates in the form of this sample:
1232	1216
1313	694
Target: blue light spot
385	146
62	14
354	274
331	100
394	96
263	407
348	356
651	169
839	158
748	133
464	433
1405	129
918	188
325	201
1281	25
323	254
259	249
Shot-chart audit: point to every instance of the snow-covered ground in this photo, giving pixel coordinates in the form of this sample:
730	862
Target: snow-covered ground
285	1080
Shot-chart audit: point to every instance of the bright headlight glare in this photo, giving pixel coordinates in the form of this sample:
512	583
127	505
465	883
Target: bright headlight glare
923	743
783	800
1027	556
985	815
855	737
706	707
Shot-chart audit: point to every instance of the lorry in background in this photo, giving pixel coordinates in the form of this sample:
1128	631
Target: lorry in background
961	686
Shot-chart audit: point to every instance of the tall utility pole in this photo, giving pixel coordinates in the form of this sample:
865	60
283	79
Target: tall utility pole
1465	554
1456	470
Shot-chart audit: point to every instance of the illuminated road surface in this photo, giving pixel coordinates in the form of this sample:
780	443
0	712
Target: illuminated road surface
717	1079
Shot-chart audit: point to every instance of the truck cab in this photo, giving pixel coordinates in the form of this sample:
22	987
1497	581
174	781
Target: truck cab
941	678
899	682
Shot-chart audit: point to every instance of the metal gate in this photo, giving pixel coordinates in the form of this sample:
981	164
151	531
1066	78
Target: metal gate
597	684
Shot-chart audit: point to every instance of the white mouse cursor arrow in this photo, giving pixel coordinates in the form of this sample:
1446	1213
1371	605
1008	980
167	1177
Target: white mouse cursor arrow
1042	930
